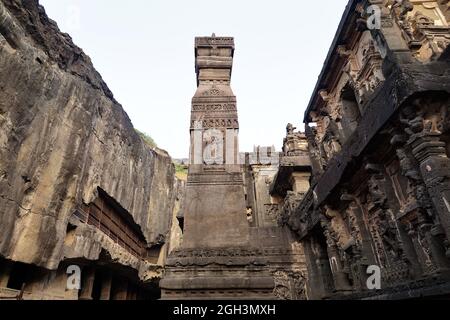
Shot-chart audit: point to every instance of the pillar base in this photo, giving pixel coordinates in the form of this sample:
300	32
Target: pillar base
217	274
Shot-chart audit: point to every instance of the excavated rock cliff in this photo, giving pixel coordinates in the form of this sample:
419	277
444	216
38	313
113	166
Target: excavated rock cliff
62	136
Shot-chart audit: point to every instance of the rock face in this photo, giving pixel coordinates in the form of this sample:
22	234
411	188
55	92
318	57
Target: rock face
63	136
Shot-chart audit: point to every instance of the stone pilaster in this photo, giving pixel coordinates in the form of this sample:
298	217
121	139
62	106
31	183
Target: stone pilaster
5	271
320	278
341	280
425	120
87	284
300	182
435	169
120	291
105	293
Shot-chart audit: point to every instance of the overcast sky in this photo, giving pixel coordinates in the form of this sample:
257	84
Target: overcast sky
144	50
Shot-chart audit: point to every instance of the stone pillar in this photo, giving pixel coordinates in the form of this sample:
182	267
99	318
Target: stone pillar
300	181
422	257
323	265
341	281
87	284
215	211
315	287
416	268
384	204
430	250
215	208
105	293
424	229
5	272
362	250
357	211
120	289
132	293
320	259
430	152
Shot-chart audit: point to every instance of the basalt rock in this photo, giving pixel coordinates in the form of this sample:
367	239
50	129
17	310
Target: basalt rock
63	137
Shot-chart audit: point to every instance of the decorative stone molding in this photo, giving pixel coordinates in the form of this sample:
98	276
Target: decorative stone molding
289	285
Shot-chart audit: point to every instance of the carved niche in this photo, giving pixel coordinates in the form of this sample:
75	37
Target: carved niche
287	213
295	143
362	68
384	228
422	122
327	137
289	285
425	124
368	75
425	26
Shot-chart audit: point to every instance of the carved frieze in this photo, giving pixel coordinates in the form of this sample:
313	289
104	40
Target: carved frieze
272	211
214	92
369	76
230	123
214	107
214	41
298	213
289	285
216	176
209	256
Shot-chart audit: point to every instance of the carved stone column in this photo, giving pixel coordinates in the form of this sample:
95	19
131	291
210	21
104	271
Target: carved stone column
132	293
120	289
393	246
360	231
419	214
313	283
314	152
362	251
418	151
435	169
300	182
88	283
320	281
105	293
215	209
340	277
424	126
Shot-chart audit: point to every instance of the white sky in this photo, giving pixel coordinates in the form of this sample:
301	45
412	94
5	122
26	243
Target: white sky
144	50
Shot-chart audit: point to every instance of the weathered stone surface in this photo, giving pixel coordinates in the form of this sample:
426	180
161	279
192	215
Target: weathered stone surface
378	139
62	135
216	233
87	243
232	247
214	205
368	184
